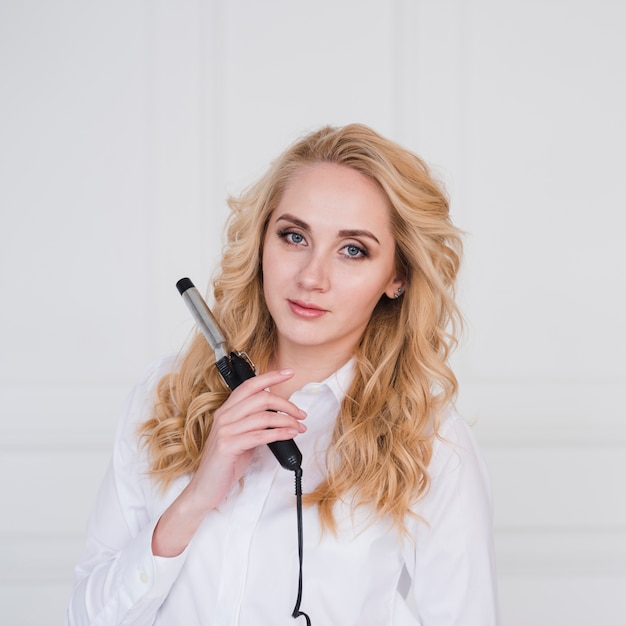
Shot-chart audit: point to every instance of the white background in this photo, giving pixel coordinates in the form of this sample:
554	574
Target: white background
125	124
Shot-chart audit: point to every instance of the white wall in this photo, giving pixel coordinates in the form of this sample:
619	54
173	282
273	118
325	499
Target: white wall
123	126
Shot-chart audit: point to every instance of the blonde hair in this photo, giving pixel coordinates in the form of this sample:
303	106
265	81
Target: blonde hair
382	440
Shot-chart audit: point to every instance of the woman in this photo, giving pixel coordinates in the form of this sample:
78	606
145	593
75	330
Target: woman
337	279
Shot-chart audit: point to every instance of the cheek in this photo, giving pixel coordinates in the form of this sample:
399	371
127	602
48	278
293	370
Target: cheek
273	268
359	300
369	288
268	265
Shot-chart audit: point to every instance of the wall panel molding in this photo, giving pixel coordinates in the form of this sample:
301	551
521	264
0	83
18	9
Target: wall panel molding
38	559
429	85
61	416
543	413
562	552
179	110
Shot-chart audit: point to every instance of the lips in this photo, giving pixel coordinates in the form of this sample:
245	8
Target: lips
306	310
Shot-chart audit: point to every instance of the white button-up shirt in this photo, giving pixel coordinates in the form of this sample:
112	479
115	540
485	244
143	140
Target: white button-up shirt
241	568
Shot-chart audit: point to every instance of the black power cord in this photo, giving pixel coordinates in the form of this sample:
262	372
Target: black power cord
296	610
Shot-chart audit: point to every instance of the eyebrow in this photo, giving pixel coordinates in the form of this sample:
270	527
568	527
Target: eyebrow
342	233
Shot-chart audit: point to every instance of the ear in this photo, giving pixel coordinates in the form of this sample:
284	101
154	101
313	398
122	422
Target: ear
395	288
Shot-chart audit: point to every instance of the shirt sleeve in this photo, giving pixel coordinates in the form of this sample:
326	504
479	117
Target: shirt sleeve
118	580
452	557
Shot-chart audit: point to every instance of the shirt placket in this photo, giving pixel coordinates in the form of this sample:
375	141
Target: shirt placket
243	520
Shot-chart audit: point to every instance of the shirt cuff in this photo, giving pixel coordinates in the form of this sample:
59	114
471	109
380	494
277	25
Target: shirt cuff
146	577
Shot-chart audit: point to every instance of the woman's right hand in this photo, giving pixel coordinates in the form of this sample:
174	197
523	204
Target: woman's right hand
250	417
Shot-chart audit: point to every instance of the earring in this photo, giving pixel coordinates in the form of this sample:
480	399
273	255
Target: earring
397	295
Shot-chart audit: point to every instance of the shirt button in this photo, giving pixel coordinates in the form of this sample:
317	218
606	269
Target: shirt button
143	577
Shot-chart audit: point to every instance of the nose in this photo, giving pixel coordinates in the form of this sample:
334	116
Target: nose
314	274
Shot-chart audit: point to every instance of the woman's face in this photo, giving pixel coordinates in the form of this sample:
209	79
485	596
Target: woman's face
328	257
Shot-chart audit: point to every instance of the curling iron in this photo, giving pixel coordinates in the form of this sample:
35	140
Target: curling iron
233	367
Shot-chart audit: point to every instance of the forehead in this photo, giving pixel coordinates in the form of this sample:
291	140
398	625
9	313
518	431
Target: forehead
335	193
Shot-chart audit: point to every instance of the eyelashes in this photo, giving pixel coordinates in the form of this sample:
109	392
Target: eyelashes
355	252
292	237
350	250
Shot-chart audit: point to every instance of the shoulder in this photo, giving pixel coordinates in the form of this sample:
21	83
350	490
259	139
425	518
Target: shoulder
459	487
455	449
451	554
156	370
140	402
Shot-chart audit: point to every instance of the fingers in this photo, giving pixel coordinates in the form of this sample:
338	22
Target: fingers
258	428
252	397
253	416
261	382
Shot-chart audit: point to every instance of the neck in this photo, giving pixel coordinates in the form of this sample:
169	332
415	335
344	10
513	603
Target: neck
309	366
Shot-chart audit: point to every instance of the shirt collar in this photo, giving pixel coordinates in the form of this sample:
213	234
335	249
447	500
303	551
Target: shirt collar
338	382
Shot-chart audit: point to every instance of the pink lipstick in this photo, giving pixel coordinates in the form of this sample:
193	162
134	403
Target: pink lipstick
306	310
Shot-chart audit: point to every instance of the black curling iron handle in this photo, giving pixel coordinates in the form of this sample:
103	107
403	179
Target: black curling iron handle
234	370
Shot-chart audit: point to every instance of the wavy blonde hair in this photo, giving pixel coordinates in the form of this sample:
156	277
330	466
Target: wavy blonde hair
382	440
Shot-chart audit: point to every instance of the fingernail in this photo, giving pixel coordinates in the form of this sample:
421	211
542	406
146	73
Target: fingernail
303	413
286	372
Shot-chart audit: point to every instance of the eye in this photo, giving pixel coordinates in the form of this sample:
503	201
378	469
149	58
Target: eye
352	251
291	237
